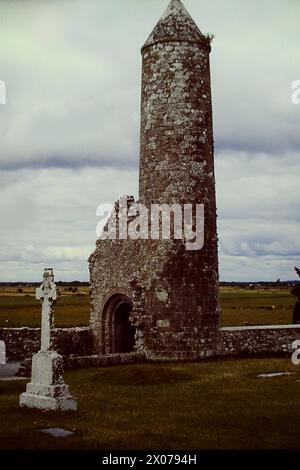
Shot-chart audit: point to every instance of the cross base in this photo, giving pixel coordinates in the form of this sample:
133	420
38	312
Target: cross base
47	390
48	403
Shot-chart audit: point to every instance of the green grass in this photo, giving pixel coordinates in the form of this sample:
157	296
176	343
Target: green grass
239	306
16	311
207	405
256	307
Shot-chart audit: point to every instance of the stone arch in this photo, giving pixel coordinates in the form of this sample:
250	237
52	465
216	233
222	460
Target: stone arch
118	333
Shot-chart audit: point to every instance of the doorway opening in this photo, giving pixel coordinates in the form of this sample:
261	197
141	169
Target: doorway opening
123	331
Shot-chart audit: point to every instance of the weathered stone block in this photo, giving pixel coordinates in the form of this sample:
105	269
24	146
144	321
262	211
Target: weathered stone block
47	390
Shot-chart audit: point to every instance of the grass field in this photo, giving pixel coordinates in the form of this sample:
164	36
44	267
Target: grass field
240	306
207	405
264	306
26	311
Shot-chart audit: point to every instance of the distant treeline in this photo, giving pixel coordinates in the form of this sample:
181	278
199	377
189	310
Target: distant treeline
36	284
259	284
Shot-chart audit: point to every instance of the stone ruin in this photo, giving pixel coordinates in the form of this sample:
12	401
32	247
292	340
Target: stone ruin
153	296
153	299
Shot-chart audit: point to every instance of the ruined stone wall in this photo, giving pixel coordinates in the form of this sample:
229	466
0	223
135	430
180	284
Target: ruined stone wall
22	343
257	340
75	344
167	306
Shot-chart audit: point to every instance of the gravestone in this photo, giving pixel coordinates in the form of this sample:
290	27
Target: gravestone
57	432
47	389
2	353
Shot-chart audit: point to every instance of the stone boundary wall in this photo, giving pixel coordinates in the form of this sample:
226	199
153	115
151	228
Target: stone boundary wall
83	362
257	340
107	360
22	343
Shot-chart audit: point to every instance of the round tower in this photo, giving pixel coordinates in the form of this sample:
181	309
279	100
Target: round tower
167	293
177	147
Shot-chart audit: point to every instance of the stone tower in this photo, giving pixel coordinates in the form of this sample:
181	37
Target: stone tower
154	296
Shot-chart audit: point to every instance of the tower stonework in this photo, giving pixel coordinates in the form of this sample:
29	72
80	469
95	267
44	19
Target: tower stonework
154	296
176	163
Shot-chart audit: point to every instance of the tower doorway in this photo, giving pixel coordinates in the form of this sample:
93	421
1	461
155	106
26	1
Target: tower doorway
123	331
118	334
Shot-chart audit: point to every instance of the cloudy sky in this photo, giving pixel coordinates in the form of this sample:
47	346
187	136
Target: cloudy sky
69	132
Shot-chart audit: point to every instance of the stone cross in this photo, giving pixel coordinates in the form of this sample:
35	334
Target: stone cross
47	294
47	389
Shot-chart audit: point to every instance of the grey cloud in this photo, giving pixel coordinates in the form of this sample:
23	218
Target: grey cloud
49	218
70	130
73	81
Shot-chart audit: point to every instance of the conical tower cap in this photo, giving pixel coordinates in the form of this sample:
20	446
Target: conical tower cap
176	24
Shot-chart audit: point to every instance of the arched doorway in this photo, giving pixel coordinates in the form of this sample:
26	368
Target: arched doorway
118	334
123	331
